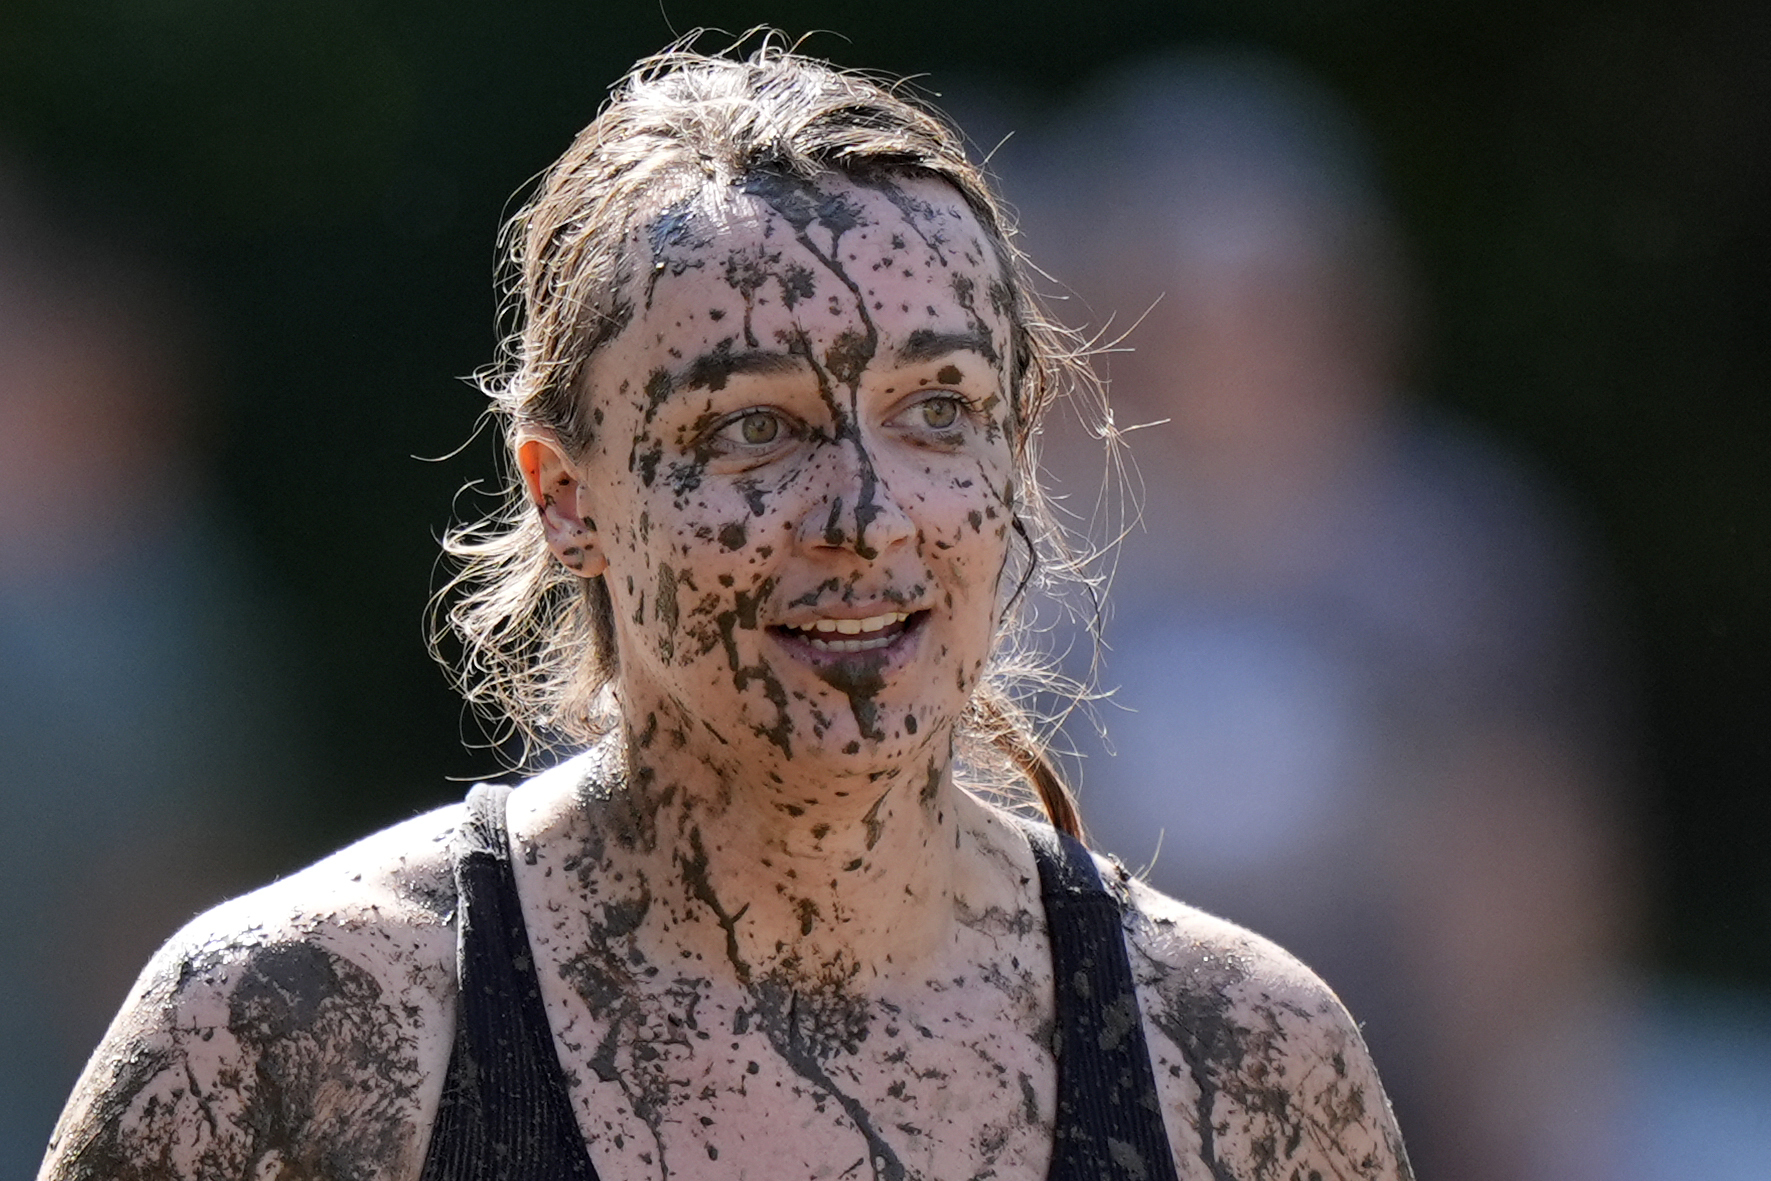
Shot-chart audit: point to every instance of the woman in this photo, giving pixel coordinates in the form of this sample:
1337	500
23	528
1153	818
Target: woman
771	403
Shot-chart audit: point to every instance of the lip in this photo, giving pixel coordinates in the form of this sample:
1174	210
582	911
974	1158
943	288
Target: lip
875	638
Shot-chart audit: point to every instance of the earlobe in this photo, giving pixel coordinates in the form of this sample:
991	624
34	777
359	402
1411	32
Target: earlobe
560	495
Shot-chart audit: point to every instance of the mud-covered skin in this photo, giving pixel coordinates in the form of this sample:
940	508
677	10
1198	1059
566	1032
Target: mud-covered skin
729	1006
298	1032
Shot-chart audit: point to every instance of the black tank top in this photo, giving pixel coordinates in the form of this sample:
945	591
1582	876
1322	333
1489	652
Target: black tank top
506	1114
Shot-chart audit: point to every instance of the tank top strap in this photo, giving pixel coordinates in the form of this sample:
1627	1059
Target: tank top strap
1109	1119
506	1113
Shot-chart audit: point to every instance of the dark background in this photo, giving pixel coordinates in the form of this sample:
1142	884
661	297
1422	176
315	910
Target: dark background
1586	187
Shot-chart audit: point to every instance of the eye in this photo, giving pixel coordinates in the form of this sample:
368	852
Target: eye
940	412
759	427
751	435
937	418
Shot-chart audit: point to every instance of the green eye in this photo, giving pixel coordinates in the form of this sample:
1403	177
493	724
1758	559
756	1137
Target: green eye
759	427
940	413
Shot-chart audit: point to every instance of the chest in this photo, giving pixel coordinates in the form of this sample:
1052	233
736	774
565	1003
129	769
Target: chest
680	1074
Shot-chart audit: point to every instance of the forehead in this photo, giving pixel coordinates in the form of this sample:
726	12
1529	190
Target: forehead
901	255
782	209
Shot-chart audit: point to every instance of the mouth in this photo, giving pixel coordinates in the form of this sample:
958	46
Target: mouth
840	637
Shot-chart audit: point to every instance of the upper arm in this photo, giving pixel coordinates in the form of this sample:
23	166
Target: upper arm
264	1043
1263	1073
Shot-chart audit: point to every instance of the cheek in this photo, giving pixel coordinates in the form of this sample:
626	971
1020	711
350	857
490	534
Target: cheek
714	564
975	563
978	513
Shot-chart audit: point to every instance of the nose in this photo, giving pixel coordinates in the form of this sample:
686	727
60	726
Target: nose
855	509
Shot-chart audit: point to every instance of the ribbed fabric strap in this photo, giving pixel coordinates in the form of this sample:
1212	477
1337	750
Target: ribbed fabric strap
506	1115
1109	1125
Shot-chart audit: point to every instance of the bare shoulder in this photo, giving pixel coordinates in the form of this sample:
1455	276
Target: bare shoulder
302	1030
1263	1073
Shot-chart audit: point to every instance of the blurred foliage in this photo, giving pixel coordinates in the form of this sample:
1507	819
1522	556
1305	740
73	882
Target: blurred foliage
1585	185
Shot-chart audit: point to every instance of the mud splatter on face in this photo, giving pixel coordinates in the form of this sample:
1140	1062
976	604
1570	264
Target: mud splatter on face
811	436
860	682
674	233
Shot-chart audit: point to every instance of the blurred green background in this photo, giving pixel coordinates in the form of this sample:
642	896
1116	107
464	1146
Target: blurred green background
1585	186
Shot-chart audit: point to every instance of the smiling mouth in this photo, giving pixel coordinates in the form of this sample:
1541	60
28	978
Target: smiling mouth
853	635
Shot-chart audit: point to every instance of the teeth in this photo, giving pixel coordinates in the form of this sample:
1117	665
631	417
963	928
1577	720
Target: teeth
817	630
852	645
854	627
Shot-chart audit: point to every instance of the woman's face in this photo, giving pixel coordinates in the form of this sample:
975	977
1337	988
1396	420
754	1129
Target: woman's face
801	476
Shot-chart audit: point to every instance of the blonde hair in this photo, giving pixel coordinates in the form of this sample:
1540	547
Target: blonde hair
538	645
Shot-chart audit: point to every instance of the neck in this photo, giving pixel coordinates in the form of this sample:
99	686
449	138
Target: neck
831	868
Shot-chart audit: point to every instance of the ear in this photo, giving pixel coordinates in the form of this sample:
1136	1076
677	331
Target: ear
559	493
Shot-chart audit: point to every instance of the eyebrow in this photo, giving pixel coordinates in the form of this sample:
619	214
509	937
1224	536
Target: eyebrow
711	370
925	344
